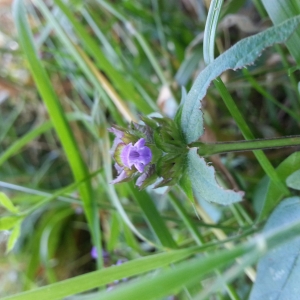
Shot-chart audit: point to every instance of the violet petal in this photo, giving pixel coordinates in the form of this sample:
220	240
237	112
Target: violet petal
125	155
118	168
140	167
145	155
141	180
140	143
118	133
118	139
120	177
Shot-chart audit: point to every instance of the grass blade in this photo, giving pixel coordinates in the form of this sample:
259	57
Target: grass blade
125	88
99	278
153	217
190	272
281	10
59	120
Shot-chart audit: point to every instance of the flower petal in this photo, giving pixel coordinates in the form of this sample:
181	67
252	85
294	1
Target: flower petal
141	180
118	133
118	168
140	143
125	155
122	176
118	139
145	155
140	167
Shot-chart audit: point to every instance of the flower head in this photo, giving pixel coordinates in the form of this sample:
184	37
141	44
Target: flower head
148	152
131	158
130	152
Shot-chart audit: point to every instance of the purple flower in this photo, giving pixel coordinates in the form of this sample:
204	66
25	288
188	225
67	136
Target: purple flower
137	155
130	157
94	254
131	154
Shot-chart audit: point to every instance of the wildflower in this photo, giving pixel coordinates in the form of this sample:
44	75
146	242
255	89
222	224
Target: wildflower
130	152
148	152
131	158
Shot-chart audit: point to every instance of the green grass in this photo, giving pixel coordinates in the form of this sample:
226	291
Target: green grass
88	65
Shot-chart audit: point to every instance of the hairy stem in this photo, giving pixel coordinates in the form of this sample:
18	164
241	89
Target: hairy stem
207	149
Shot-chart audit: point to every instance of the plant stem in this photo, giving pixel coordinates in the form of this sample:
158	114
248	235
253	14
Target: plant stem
207	149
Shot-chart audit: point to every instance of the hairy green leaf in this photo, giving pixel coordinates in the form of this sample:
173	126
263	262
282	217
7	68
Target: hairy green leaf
241	54
204	184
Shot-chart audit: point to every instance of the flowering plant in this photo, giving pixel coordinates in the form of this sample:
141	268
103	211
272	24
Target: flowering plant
159	152
165	151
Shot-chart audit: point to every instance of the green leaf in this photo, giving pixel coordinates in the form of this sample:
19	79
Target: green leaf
293	181
99	278
14	235
241	54
204	184
274	193
278	271
6	203
177	118
6	223
186	185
